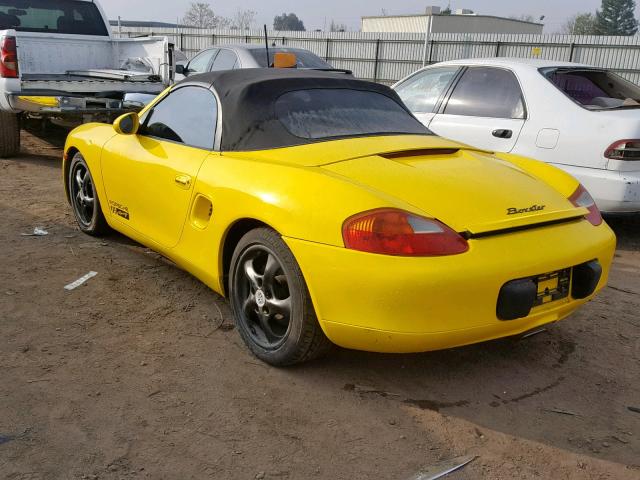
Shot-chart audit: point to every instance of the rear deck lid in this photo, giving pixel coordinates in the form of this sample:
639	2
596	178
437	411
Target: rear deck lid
468	190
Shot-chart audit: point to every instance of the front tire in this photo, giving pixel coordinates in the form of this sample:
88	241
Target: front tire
271	303
84	198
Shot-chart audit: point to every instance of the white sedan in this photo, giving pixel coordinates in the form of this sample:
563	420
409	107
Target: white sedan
582	119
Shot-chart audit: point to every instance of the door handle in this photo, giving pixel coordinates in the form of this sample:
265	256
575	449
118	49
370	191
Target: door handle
183	180
502	133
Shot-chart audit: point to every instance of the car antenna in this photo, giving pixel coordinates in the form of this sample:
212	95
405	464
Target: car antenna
266	45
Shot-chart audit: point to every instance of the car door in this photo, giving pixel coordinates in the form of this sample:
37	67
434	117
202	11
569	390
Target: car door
485	109
423	91
225	60
149	176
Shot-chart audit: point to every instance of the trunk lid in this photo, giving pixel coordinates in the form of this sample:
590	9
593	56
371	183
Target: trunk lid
468	190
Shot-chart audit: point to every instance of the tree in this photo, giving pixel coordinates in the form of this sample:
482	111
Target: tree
243	19
446	11
337	27
201	15
617	17
525	17
288	22
580	24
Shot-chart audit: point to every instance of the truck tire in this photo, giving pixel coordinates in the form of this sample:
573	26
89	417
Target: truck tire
9	134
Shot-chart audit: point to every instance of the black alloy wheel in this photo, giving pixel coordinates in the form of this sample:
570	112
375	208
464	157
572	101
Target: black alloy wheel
270	301
84	199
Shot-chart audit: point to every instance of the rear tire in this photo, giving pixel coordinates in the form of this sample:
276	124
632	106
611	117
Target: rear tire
270	302
9	134
84	198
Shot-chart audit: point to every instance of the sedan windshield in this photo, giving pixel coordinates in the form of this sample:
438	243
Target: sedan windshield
304	58
325	113
52	16
595	89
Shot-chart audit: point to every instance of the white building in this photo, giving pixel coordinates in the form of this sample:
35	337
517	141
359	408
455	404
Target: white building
460	21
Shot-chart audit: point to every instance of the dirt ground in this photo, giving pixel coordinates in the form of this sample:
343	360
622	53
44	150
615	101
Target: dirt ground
139	374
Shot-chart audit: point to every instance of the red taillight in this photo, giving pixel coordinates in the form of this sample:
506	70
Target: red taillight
624	150
8	58
395	232
582	198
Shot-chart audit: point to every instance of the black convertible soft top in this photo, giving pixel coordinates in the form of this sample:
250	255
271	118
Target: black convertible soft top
252	115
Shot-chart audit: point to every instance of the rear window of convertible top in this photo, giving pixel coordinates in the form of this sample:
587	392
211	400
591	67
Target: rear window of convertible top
325	113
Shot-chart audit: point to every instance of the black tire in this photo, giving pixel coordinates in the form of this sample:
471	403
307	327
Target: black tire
9	134
260	318
84	198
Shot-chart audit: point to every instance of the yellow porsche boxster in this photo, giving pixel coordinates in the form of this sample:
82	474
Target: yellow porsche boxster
326	213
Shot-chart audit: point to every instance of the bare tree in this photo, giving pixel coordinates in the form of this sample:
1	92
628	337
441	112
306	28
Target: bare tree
243	19
337	27
201	15
525	17
580	24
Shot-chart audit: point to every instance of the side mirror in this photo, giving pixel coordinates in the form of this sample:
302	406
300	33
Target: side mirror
284	60
127	124
181	69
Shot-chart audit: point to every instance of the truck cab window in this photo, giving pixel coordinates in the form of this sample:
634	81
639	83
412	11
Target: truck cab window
53	16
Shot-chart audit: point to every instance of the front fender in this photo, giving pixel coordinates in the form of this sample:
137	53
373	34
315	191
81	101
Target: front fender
89	140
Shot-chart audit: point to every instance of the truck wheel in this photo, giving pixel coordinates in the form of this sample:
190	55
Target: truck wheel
9	134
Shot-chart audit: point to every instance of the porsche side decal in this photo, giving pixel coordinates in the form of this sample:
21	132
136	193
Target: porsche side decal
119	210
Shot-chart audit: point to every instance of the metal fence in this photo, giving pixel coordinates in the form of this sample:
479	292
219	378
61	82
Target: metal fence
388	57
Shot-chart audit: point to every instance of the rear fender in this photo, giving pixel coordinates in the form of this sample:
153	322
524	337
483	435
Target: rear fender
298	202
560	180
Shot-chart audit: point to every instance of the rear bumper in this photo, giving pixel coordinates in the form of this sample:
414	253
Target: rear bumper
398	304
614	191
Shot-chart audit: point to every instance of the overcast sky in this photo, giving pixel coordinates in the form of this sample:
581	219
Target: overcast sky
315	13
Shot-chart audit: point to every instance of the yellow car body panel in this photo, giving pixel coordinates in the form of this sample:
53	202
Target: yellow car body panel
183	202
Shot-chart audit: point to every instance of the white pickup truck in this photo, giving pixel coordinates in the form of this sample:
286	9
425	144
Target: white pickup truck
58	59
